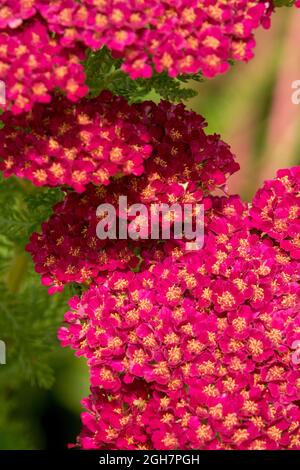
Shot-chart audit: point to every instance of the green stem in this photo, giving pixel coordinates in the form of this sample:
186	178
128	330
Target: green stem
17	272
20	261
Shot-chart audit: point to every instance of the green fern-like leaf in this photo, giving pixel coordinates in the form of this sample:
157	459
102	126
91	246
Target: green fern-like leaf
104	73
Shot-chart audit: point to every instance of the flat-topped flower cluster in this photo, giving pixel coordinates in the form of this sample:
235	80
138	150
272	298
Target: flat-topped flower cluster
185	165
186	350
197	351
43	43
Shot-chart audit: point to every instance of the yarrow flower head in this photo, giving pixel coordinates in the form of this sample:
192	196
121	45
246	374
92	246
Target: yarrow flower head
33	64
198	350
186	350
14	12
177	37
42	43
70	145
276	210
185	166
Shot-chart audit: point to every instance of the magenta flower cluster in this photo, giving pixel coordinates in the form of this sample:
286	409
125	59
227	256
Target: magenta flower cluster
196	352
42	43
62	144
186	350
276	210
184	167
176	36
33	64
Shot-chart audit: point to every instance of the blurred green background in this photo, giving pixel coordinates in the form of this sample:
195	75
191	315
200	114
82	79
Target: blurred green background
41	385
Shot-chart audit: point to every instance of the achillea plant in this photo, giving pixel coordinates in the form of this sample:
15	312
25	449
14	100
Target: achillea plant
276	210
43	43
173	36
185	349
185	166
196	352
63	145
33	64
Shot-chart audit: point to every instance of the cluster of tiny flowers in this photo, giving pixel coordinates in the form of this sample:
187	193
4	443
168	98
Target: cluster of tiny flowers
196	352
186	350
174	36
276	210
185	166
64	144
14	12
42	43
33	64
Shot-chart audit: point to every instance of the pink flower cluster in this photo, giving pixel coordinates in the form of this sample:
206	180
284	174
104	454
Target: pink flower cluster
42	43
196	352
276	210
33	64
185	350
61	144
170	35
70	145
14	12
185	166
